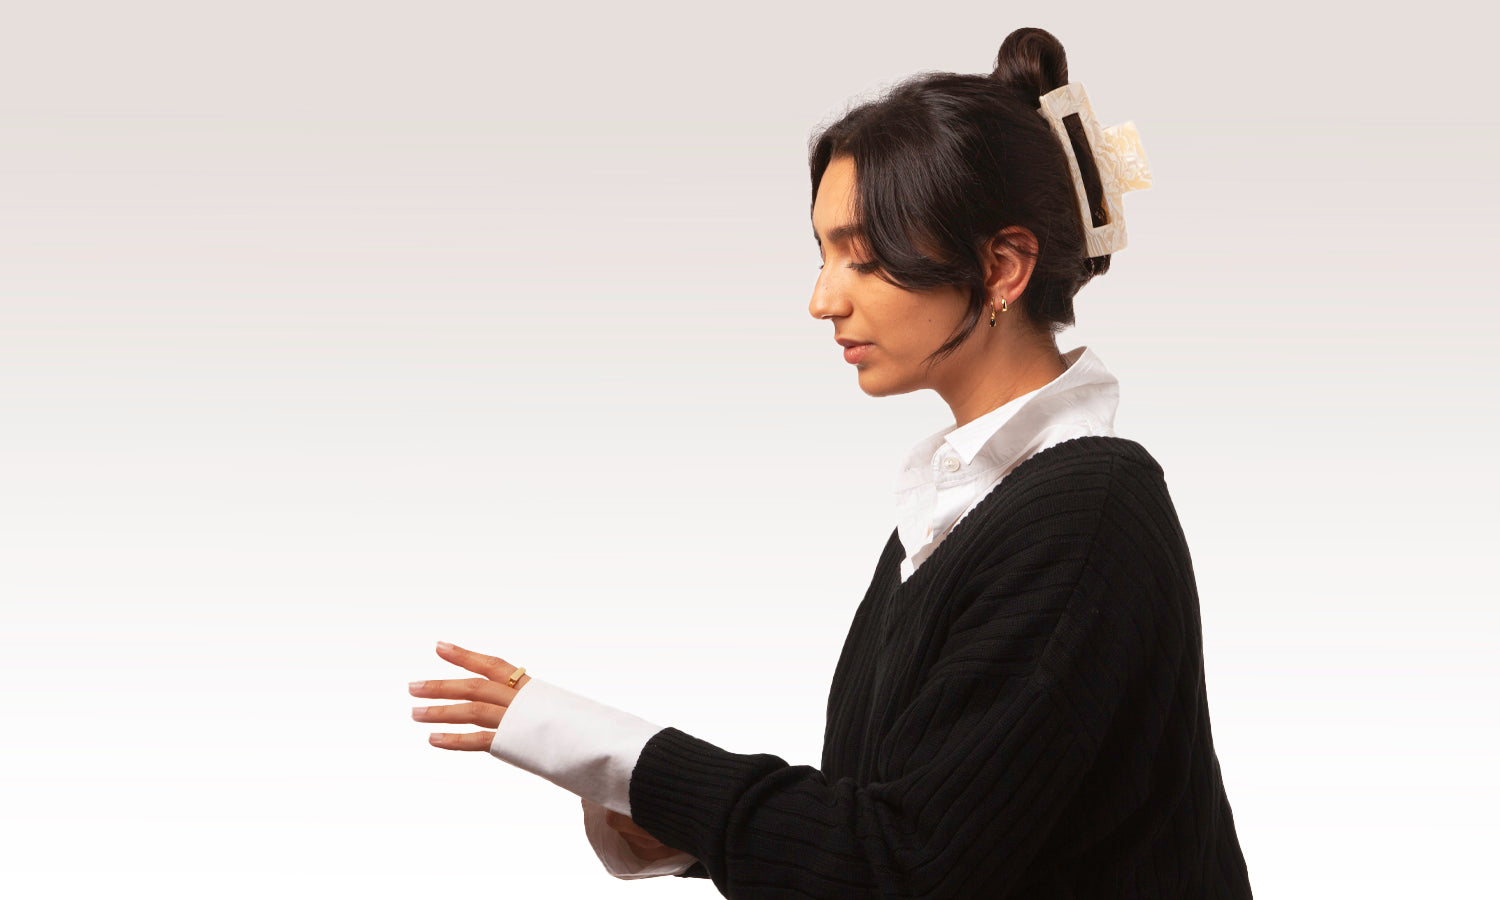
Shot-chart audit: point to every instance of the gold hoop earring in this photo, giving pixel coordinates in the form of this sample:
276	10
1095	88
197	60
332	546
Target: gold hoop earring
1003	308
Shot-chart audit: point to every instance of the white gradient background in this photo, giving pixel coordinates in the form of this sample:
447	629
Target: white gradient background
331	330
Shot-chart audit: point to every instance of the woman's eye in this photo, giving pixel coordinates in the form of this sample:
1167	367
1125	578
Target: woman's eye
864	268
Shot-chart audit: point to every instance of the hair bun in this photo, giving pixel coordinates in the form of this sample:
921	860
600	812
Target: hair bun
1032	62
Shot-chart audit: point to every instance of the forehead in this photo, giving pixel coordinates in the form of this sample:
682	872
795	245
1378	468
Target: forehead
834	208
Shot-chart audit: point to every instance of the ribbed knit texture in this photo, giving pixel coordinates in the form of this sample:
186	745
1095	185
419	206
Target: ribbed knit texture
1024	717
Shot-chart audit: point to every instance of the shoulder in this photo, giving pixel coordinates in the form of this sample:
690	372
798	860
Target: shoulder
1083	457
1068	486
1117	480
1100	503
1059	542
1081	498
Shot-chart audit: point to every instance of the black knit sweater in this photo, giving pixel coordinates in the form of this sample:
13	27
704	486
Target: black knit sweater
1025	716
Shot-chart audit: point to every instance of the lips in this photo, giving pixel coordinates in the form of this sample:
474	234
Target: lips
854	351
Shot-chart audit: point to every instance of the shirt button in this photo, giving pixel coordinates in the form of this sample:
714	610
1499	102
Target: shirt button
952	464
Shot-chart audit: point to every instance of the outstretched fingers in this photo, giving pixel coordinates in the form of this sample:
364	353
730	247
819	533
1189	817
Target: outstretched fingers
477	740
481	690
491	667
486	715
487	697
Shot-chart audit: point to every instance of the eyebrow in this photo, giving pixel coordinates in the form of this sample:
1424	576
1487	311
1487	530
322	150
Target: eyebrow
841	233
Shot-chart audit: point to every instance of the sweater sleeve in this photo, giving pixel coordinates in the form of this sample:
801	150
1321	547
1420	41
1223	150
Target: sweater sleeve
1059	648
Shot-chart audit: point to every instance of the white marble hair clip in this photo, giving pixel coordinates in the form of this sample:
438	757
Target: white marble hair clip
1118	156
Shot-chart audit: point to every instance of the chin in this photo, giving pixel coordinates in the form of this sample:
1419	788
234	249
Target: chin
872	384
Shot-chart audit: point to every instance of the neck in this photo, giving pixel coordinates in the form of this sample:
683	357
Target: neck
997	371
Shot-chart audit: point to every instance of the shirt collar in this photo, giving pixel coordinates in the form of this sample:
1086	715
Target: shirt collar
1085	391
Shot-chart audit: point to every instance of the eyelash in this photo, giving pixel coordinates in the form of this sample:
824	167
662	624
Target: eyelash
863	268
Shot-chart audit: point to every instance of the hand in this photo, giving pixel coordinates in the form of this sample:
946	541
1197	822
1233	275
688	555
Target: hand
641	844
488	698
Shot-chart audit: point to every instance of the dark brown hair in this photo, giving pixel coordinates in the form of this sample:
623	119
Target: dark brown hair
944	162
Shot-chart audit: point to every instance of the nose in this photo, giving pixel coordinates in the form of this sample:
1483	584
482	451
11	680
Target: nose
829	297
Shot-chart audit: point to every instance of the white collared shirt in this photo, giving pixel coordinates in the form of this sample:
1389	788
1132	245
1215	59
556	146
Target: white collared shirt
948	473
590	749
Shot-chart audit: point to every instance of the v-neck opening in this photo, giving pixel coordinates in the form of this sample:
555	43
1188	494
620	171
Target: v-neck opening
960	532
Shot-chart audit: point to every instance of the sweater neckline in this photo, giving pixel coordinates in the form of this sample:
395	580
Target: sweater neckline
962	530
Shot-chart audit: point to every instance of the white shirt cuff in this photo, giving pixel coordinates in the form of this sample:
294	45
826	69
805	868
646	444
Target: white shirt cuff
576	743
618	859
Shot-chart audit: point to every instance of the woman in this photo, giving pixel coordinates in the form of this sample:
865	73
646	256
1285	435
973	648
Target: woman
1019	709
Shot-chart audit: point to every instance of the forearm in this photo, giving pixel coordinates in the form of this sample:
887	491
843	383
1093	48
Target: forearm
963	823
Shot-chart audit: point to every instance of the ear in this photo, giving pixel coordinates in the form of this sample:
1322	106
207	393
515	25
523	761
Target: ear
1010	261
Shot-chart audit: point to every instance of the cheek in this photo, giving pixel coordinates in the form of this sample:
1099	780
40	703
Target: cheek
928	324
945	314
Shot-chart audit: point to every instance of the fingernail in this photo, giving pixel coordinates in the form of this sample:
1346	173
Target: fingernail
444	645
434	739
415	685
418	711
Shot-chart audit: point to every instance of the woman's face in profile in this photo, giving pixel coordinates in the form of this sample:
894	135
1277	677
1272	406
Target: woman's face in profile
894	330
